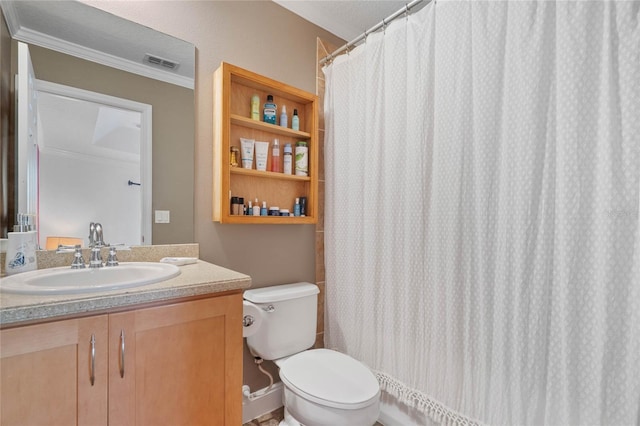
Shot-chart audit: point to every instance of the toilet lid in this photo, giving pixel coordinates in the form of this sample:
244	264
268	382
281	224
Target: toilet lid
330	378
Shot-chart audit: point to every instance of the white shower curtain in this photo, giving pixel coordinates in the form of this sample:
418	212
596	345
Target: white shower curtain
482	227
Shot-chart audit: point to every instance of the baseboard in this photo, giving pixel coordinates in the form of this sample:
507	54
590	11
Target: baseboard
255	407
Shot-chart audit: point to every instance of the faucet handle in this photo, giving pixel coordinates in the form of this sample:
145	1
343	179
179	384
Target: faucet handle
78	260
66	248
112	260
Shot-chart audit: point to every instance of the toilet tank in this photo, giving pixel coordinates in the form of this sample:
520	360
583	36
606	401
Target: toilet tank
289	316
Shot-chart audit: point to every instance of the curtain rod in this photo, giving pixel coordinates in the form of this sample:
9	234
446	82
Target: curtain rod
383	23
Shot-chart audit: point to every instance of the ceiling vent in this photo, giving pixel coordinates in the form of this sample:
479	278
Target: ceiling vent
161	62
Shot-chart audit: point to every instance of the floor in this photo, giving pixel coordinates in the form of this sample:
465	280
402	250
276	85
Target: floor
273	419
270	419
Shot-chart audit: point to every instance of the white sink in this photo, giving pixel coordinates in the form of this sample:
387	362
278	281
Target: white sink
65	280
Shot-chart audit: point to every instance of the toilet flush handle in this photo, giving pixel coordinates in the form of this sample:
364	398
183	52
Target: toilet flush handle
248	320
269	308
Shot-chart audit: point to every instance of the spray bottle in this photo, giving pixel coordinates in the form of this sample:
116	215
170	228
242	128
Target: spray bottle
284	119
295	120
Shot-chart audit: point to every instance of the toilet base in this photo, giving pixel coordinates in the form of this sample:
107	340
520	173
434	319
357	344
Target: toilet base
311	414
289	420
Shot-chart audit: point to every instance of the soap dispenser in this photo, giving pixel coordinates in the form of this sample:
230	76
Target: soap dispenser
21	247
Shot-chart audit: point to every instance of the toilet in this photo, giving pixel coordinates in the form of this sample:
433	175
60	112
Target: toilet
321	386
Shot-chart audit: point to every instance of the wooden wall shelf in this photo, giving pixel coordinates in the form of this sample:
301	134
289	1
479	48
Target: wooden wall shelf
232	92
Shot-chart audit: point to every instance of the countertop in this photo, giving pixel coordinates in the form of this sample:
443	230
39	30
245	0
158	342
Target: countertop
201	278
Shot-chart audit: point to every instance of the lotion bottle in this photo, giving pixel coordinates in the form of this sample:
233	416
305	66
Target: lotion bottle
263	210
295	120
284	120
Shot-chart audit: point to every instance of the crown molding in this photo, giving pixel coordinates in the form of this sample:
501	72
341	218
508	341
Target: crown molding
10	16
44	40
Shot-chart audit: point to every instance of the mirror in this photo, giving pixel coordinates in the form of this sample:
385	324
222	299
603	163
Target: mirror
107	54
79	132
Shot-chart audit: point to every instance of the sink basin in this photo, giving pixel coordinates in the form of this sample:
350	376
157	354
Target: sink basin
65	280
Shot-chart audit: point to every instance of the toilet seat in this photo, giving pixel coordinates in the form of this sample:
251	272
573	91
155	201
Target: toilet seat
330	378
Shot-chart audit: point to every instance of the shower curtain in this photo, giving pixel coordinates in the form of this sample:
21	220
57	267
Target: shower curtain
482	231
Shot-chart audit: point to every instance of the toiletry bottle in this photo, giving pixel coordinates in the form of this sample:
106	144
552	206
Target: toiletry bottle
270	111
255	108
256	208
295	120
233	159
263	210
296	208
234	205
284	120
287	160
303	206
275	156
21	247
302	159
249	211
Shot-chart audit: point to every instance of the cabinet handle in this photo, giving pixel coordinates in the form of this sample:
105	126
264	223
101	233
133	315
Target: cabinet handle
92	379
122	353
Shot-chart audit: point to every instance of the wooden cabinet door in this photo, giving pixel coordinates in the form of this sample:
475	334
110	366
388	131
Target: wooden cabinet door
182	364
46	373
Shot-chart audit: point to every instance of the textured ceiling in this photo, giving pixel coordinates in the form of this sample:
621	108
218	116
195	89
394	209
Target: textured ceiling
345	18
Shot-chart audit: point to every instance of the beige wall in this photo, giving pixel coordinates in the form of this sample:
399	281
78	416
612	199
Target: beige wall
268	39
265	38
173	131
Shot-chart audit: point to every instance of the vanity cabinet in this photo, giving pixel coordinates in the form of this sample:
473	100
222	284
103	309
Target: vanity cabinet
233	90
182	364
46	372
172	364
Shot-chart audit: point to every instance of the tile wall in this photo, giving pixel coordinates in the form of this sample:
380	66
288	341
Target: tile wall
323	49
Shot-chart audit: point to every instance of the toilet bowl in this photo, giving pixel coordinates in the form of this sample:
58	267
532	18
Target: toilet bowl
325	387
321	386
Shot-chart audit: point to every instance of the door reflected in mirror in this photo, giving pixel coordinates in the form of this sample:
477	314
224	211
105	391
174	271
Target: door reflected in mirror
93	149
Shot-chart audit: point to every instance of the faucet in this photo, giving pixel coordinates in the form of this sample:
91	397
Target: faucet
96	241
96	258
96	238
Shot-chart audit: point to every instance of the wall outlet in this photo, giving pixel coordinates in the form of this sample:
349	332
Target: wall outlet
162	216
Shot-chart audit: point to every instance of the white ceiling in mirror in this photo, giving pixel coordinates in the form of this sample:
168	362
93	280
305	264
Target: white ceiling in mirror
84	31
88	128
118	129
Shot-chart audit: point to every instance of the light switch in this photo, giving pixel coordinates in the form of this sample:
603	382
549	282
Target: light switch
162	216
